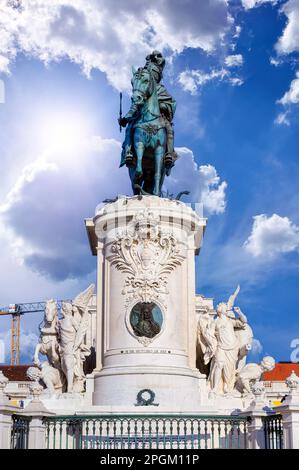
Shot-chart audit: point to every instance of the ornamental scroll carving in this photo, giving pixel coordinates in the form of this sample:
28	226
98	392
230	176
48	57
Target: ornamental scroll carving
147	254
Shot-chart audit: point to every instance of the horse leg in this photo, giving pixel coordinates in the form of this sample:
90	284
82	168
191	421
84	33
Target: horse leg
159	154
133	181
162	178
54	358
139	149
36	353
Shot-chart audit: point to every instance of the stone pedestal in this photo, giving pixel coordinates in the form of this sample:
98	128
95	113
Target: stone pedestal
37	430
6	412
290	413
256	432
146	326
256	411
290	417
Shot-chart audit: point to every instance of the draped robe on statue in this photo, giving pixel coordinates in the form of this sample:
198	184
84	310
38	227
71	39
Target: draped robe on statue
226	354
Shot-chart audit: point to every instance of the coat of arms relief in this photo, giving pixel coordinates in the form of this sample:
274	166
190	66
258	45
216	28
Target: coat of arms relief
147	254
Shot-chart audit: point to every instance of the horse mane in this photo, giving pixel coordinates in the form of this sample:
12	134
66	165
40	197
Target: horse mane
140	73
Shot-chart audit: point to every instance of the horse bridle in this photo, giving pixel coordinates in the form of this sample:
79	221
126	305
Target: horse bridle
143	94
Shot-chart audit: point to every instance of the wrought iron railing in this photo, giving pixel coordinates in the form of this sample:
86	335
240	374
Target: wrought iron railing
273	430
146	432
20	432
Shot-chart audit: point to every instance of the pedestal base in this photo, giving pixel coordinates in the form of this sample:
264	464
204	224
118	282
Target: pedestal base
146	324
176	389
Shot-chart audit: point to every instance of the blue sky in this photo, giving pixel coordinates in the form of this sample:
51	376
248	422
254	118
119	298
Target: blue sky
232	67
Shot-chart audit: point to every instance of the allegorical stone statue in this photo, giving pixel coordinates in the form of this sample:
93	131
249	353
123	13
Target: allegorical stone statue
148	148
252	373
223	366
52	378
206	341
48	342
63	342
67	333
72	329
224	342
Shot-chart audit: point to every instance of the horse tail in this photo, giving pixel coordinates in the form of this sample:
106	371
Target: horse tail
182	193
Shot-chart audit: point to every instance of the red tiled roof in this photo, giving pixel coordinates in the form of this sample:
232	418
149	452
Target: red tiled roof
281	371
16	373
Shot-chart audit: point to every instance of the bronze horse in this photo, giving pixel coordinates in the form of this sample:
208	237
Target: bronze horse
146	155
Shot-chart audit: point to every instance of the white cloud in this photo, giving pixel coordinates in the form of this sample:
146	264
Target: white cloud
42	215
4	64
28	341
238	31
287	44
5	338
292	95
236	81
109	35
28	174
274	61
202	181
213	194
282	119
2	351
289	41
248	4
255	353
2	92
271	236
235	60
256	347
192	80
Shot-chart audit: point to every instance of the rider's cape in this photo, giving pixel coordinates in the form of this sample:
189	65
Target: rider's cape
166	102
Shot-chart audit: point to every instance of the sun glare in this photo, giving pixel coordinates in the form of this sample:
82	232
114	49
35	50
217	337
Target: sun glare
63	132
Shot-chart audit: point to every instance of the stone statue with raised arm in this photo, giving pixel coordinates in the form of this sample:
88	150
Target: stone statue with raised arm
224	361
224	342
72	329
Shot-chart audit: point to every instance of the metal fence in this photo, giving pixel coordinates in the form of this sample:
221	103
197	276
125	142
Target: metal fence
273	431
20	432
146	432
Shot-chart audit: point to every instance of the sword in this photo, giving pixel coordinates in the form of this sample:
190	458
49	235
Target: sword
120	109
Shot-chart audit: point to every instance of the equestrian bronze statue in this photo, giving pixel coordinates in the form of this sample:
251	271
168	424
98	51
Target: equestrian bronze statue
148	148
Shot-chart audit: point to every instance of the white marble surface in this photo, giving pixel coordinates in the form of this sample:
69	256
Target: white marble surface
172	232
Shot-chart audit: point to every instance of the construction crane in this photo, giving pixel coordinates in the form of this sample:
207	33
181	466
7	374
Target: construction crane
16	310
